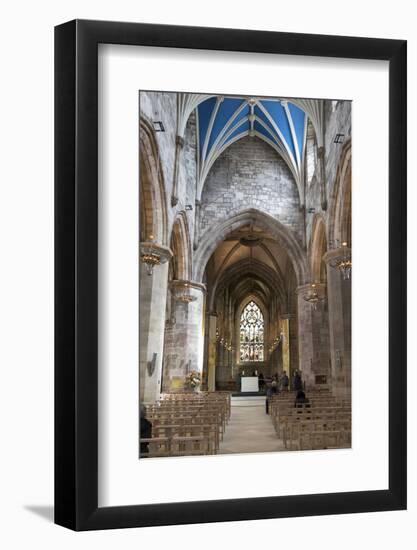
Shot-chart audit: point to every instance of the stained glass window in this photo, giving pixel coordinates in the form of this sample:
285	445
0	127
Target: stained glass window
251	334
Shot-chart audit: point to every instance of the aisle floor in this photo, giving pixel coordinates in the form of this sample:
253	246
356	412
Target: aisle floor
249	429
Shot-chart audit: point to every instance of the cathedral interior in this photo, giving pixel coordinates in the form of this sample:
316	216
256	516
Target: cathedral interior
245	248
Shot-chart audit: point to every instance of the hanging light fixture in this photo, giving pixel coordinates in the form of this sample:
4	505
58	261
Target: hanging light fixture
313	297
149	255
343	262
185	297
182	293
275	342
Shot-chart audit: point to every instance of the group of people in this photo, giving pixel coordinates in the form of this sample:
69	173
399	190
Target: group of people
282	384
279	383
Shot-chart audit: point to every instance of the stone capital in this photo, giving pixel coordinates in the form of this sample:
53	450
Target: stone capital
284	316
337	254
304	290
182	284
148	247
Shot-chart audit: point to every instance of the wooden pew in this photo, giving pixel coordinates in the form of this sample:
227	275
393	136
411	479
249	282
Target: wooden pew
189	445
157	446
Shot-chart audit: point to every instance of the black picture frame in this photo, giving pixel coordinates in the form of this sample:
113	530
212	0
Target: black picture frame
76	271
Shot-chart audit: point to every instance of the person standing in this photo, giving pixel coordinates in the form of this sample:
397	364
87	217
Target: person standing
284	381
145	430
298	383
301	400
271	390
261	381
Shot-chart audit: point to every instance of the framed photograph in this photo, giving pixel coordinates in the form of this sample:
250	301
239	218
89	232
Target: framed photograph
230	275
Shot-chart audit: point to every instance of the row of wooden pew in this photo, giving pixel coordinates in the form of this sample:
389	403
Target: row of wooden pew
323	423
185	424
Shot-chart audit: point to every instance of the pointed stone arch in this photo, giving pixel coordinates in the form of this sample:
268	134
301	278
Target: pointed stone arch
273	278
318	248
214	235
340	217
153	216
181	248
253	268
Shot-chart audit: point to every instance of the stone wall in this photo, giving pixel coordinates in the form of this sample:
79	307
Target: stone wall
337	120
188	172
183	341
331	328
162	106
250	174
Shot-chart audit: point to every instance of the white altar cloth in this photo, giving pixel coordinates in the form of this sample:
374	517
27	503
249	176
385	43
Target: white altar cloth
249	384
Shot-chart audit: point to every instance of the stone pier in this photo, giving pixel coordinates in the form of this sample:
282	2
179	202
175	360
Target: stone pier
184	334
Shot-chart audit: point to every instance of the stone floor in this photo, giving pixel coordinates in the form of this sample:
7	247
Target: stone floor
249	429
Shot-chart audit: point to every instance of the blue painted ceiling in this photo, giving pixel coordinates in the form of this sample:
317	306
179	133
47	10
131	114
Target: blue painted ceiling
224	120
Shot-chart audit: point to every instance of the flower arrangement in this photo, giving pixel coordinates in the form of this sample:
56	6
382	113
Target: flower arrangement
193	379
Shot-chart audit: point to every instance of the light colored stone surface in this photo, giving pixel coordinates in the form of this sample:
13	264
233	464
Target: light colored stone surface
250	174
184	340
336	120
249	429
153	293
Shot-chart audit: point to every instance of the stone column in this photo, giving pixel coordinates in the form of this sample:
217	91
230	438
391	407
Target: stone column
153	294
284	321
184	343
309	344
179	144
211	352
294	364
197	223
321	177
339	293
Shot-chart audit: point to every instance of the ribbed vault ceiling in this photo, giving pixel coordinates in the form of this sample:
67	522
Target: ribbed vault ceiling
223	120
